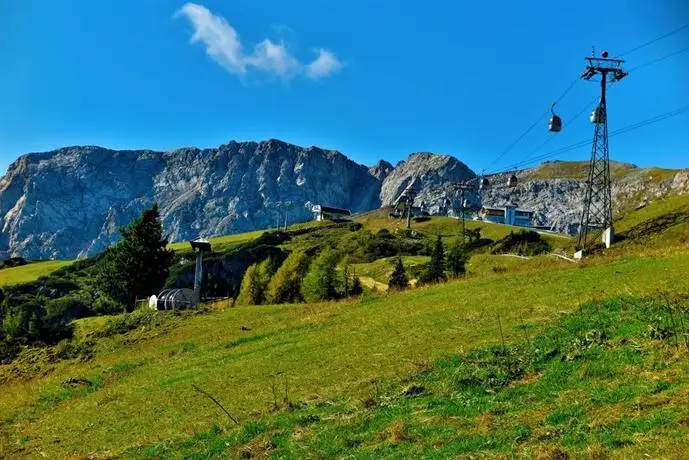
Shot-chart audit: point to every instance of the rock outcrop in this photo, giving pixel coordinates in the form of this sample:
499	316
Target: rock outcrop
70	202
428	171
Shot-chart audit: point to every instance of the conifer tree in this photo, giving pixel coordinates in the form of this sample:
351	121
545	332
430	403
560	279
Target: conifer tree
138	265
321	281
456	259
398	279
436	268
255	284
285	286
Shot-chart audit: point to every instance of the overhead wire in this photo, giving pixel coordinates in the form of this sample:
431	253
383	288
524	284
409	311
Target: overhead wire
582	143
532	126
650	42
588	105
662	58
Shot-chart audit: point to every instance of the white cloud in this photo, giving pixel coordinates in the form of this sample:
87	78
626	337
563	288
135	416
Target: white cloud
224	47
324	65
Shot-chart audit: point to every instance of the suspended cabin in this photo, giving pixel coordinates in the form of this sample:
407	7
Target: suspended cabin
512	181
483	183
555	124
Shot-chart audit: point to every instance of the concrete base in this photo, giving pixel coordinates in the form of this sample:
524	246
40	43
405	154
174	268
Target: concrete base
608	237
579	255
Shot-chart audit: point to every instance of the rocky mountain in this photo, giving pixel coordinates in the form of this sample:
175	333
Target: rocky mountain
428	171
70	202
555	191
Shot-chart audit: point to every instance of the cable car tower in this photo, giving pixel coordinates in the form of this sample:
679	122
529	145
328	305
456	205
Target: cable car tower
596	217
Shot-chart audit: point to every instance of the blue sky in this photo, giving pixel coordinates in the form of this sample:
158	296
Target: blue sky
373	79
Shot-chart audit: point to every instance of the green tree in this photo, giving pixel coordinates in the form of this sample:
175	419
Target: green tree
321	281
398	279
457	259
349	283
285	286
436	268
255	284
138	265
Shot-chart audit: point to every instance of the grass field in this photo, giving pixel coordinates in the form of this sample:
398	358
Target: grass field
449	227
140	393
220	243
378	376
30	272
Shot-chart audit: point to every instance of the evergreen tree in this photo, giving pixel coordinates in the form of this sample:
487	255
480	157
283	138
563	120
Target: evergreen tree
456	259
255	284
436	268
285	286
138	265
321	281
349	283
398	279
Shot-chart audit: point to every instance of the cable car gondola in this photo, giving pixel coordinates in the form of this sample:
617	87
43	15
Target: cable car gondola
555	123
512	181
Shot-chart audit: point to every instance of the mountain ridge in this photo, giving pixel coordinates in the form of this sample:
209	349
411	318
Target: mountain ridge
69	202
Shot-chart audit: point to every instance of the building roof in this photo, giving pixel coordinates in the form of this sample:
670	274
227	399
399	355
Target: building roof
331	210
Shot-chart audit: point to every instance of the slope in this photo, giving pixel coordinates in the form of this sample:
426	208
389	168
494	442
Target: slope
137	389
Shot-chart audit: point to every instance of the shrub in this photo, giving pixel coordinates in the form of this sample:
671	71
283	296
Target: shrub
354	226
398	279
524	243
104	305
321	281
285	286
421	219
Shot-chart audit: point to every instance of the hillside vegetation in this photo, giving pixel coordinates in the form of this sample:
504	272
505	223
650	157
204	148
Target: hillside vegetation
526	356
30	272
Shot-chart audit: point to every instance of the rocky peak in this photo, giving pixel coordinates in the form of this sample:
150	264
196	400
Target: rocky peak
429	171
380	170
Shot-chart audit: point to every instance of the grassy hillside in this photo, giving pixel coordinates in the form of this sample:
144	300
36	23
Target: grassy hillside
137	391
449	227
30	272
524	356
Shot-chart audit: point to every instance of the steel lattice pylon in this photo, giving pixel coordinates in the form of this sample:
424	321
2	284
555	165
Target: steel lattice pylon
597	212
596	217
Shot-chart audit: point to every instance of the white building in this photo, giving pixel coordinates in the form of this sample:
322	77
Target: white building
508	214
321	212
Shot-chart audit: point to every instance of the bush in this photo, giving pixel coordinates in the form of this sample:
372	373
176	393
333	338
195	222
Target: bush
354	226
104	305
418	219
285	286
321	281
523	243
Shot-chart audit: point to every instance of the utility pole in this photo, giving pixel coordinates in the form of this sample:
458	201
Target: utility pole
462	187
596	217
